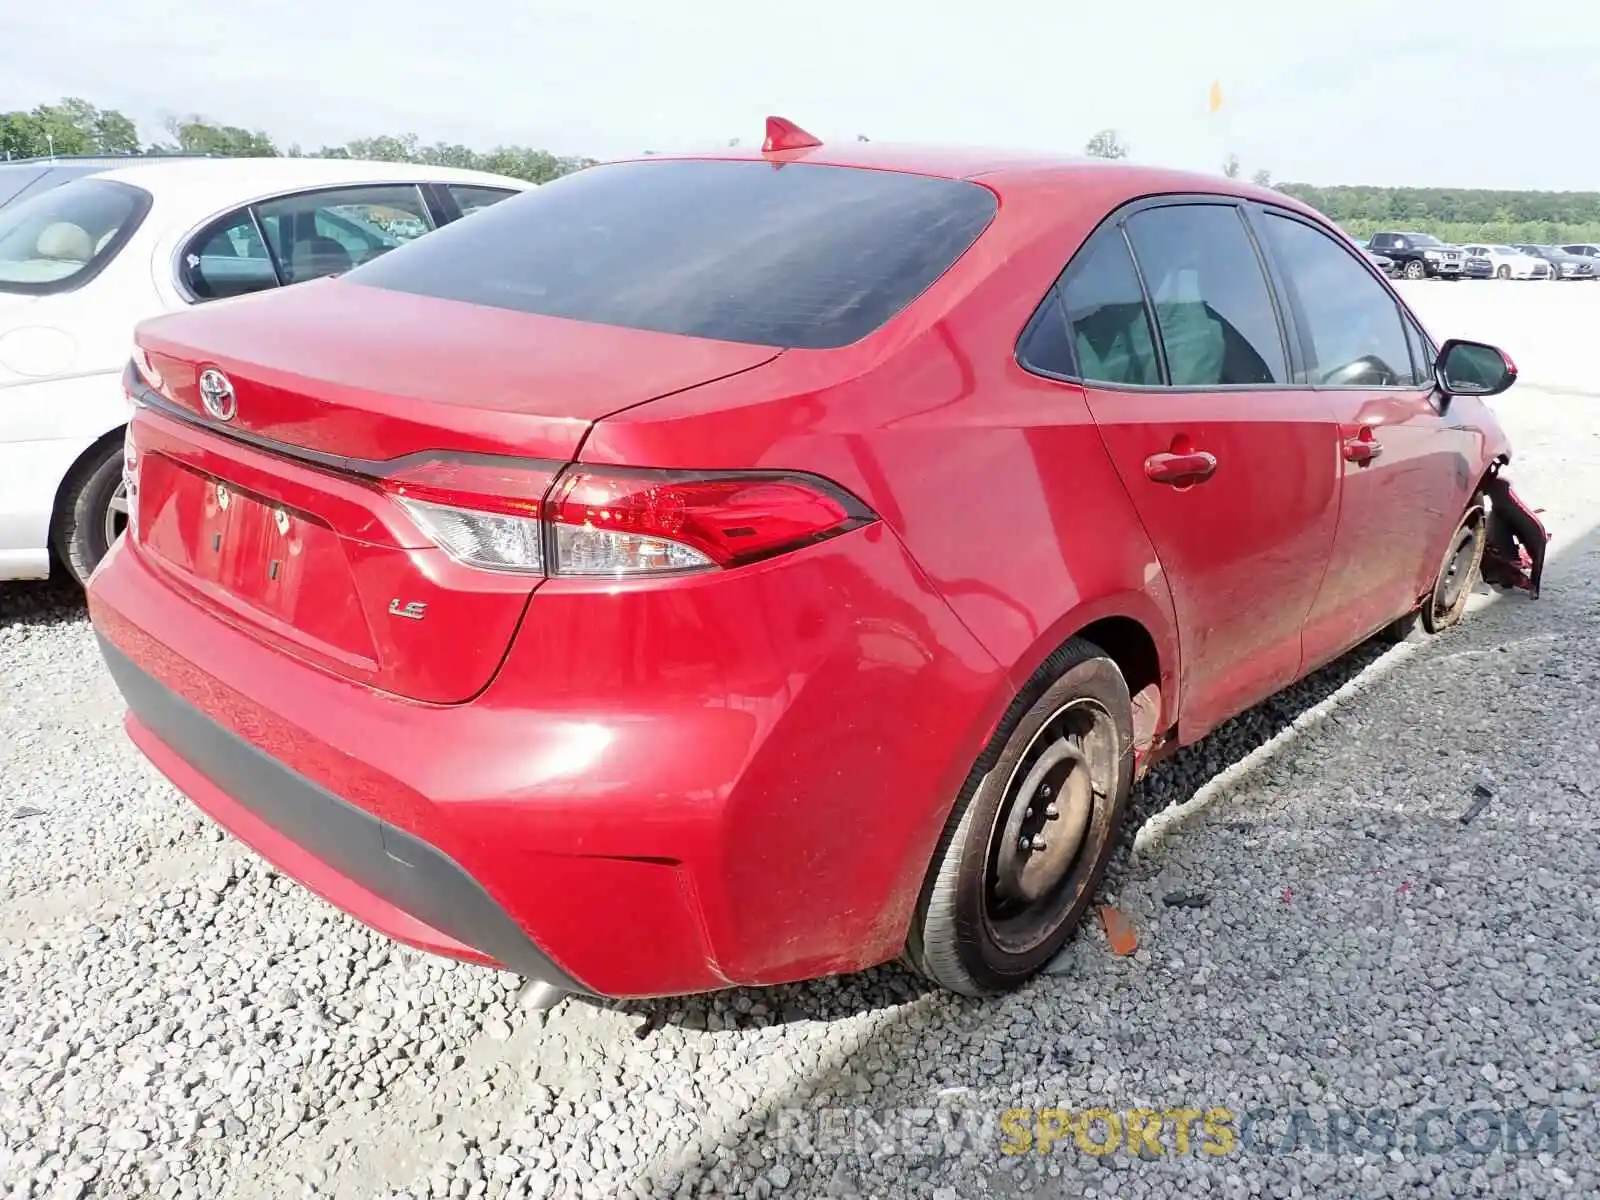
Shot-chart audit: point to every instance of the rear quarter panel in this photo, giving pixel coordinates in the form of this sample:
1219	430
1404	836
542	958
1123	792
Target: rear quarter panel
995	480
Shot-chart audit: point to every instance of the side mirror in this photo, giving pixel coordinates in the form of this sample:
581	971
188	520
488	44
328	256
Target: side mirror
1472	369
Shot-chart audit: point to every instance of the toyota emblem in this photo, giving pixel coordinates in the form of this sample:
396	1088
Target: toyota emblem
216	393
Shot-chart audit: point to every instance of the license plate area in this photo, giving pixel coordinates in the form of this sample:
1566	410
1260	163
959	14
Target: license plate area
279	567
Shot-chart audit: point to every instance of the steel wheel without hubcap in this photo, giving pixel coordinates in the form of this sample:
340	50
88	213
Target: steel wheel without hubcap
1048	823
1030	836
1459	575
1452	587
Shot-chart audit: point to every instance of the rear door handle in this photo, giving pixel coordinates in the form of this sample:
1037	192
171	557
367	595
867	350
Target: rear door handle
1193	467
1361	450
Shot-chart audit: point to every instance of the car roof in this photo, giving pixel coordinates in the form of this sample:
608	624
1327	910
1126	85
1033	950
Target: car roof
202	179
21	178
1002	170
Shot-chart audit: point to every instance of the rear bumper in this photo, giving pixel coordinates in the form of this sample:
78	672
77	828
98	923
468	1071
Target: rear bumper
727	780
399	884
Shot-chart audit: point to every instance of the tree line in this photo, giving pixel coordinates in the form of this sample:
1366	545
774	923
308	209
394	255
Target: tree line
1458	215
75	126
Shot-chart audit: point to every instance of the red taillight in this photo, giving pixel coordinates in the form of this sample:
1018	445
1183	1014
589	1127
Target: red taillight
504	514
626	522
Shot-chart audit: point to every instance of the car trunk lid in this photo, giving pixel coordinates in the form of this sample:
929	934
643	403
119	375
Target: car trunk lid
272	510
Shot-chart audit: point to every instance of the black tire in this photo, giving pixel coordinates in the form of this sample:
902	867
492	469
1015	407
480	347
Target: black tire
1502	272
1458	573
85	521
1414	269
1452	586
991	914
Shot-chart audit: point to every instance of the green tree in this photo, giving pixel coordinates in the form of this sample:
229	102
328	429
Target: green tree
115	133
1262	178
197	135
1106	144
1230	168
20	136
449	154
385	149
71	126
74	126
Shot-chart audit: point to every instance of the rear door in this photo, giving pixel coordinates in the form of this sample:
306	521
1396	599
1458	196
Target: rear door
1406	473
1230	464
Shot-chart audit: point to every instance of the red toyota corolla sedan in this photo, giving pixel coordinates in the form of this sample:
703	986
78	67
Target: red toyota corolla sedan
730	570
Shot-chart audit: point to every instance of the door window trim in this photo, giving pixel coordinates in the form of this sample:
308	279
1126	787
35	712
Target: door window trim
210	224
1259	212
1114	225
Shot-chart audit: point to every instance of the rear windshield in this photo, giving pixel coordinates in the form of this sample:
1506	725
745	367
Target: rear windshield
62	238
797	255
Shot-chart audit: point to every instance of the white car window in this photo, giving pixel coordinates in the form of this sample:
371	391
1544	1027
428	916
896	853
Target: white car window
60	239
227	258
472	197
313	234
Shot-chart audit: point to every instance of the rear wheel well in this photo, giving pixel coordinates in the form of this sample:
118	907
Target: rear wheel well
1128	644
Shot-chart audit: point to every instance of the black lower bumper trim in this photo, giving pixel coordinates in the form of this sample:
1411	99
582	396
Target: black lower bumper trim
410	874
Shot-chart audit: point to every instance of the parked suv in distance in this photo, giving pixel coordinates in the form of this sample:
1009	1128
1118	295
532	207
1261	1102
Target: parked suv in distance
685	575
1420	255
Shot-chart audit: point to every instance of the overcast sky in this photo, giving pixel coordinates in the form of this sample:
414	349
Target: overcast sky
1424	92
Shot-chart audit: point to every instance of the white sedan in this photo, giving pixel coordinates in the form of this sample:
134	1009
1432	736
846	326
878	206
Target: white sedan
1510	263
82	264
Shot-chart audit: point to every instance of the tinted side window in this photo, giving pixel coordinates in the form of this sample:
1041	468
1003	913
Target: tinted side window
1106	315
227	258
329	232
470	198
1046	343
1351	321
800	255
1216	318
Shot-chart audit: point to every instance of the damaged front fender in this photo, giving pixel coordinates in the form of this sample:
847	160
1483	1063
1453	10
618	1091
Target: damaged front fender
1515	540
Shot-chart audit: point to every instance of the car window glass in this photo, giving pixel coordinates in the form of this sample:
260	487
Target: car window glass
797	255
56	240
1216	320
313	234
1046	344
1106	316
227	258
1351	320
470	198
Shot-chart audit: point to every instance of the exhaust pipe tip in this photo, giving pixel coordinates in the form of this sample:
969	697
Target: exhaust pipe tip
536	995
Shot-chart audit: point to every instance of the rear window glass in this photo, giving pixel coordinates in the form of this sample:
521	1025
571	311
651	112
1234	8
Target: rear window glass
62	238
798	255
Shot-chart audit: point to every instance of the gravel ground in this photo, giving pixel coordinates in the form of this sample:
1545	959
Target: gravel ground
1320	935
